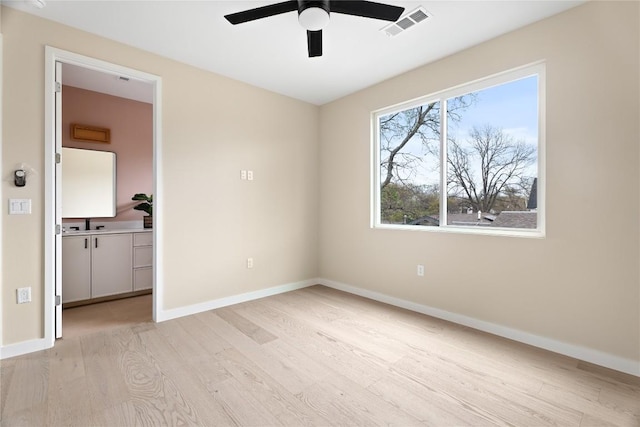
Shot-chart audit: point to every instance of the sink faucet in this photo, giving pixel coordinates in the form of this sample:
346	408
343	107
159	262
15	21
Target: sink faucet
87	224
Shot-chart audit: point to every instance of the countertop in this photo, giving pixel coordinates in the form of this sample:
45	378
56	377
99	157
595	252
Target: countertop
105	231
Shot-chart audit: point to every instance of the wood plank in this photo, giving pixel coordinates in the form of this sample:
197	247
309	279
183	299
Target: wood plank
106	386
69	402
154	395
122	414
591	405
487	400
429	406
245	326
186	345
28	390
345	403
7	368
284	406
294	378
35	415
196	379
211	342
310	312
337	357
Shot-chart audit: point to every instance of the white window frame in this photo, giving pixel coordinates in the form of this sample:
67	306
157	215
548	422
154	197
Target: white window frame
536	69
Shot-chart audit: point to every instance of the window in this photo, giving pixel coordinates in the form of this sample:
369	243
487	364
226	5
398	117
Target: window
465	159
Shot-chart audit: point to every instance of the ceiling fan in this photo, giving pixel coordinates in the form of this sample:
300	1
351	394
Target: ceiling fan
313	15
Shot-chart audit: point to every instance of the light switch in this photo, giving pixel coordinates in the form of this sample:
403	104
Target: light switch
19	206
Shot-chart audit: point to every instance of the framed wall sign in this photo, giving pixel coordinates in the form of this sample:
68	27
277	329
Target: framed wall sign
90	133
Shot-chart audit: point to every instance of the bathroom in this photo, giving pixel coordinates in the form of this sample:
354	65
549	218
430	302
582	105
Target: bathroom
107	158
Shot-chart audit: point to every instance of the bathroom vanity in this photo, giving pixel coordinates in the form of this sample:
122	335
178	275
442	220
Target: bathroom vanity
106	264
99	265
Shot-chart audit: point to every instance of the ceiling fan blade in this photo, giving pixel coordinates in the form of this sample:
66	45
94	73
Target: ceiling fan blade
314	43
262	12
367	9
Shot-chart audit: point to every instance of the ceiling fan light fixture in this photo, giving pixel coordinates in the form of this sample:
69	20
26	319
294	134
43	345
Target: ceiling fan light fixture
313	18
313	15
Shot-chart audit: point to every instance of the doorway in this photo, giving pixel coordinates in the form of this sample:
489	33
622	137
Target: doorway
97	76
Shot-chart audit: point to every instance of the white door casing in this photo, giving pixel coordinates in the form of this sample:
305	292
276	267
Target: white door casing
57	205
53	140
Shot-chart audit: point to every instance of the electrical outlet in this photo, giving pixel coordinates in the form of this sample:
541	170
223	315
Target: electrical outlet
24	295
243	175
250	175
420	270
249	262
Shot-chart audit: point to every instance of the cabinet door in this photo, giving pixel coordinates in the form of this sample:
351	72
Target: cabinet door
142	256
143	238
111	266
76	268
142	278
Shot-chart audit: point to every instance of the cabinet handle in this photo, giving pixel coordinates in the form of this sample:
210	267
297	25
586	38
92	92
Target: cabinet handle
96	242
85	243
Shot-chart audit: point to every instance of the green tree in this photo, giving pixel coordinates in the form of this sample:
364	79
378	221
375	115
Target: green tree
403	203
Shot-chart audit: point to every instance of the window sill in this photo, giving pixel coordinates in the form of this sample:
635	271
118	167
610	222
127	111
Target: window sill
482	231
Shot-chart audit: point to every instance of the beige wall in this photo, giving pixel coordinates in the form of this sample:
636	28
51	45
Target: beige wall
580	284
131	128
212	128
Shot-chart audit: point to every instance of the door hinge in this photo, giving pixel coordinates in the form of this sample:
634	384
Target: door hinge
58	300
58	228
58	158
58	87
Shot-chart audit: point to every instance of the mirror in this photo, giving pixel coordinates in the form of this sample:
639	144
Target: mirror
88	183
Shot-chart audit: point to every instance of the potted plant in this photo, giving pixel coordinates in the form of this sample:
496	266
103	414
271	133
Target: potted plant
146	206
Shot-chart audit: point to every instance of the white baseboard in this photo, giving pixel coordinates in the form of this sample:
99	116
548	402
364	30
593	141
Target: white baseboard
24	347
597	357
235	299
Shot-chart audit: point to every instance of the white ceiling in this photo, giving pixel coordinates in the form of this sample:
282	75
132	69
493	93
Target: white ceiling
271	53
120	86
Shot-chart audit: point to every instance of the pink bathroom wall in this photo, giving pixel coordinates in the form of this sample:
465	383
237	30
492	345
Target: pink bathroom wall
131	125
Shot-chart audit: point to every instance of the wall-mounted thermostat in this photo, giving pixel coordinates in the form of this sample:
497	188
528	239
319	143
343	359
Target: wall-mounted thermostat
20	178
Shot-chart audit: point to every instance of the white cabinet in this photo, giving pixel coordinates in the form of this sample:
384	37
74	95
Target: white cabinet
96	265
110	265
142	261
76	268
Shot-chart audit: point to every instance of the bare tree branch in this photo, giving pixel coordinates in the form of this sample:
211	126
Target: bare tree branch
398	129
502	163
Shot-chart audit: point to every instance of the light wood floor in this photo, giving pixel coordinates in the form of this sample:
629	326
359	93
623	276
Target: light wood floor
87	319
317	357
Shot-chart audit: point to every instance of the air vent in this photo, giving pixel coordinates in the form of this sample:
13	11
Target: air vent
407	21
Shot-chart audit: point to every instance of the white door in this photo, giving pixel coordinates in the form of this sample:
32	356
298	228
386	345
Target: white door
57	205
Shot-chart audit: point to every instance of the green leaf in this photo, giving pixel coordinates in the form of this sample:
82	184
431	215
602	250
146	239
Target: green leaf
142	196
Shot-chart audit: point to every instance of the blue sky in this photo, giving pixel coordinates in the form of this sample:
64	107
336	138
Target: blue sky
512	106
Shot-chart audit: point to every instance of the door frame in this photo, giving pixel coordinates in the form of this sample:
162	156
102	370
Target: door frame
1	174
52	257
